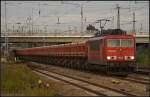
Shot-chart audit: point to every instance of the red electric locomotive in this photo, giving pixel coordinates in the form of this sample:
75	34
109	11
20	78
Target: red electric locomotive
112	53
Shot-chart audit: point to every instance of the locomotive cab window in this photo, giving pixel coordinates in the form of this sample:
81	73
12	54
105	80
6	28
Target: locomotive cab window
127	43
113	42
120	43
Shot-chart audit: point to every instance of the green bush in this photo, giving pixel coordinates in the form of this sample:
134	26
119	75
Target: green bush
142	58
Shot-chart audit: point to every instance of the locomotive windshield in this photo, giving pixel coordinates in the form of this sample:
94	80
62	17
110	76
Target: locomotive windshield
113	42
120	43
127	43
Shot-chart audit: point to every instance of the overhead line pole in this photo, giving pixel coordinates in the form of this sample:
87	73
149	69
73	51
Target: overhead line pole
39	9
134	32
81	19
32	20
118	17
6	39
141	28
81	6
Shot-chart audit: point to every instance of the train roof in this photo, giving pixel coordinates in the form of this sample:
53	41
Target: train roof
110	36
68	44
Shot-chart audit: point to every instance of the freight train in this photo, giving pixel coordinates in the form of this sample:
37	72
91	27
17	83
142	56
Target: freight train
110	53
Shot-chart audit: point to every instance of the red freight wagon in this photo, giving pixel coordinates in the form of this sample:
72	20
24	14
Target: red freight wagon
112	52
56	50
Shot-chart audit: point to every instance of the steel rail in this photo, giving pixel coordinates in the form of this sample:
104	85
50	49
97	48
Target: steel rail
98	85
82	87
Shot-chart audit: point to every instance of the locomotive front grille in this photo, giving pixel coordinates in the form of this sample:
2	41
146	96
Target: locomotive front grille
120	57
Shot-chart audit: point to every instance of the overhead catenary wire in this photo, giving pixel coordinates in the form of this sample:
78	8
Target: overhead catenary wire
62	14
81	6
46	4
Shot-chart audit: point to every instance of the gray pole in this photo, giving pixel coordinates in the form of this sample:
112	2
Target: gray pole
22	28
101	25
32	20
29	24
113	22
6	40
81	19
39	9
118	17
13	27
141	27
134	23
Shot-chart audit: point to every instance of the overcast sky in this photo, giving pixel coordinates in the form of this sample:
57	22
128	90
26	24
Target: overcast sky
70	14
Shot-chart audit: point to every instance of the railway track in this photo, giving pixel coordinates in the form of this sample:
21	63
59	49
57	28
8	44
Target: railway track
84	84
139	77
69	81
144	72
136	80
132	78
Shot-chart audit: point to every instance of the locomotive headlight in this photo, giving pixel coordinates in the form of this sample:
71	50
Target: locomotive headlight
108	57
132	57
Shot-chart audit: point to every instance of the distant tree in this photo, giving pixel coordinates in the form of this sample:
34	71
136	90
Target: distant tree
90	27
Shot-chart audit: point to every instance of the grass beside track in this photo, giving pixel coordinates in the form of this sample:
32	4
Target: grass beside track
17	79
